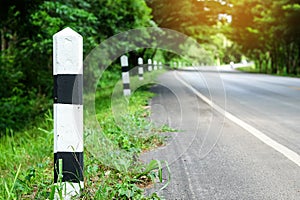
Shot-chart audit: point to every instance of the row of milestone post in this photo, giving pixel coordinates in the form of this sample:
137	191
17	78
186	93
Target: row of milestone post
125	71
68	109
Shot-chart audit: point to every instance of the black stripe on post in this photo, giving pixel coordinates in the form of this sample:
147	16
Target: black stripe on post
125	69
126	86
72	166
68	88
125	75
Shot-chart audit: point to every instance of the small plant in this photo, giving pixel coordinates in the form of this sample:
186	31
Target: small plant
154	171
58	188
10	191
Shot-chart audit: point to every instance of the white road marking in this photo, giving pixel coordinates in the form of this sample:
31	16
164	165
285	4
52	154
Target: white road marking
291	155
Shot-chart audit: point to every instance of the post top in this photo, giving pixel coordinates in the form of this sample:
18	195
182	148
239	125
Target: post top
124	61
67	52
149	61
67	32
140	61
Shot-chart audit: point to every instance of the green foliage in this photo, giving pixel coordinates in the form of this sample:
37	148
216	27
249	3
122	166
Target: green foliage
53	16
19	107
116	16
26	30
250	69
139	135
189	17
156	165
268	33
32	151
199	20
111	184
135	121
265	31
9	191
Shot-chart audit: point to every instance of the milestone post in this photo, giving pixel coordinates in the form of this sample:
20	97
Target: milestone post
68	112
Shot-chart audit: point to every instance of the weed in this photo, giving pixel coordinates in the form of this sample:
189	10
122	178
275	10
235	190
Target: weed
10	191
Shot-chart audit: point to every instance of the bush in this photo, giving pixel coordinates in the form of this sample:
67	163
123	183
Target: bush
20	109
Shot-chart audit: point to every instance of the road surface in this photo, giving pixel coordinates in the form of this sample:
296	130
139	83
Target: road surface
244	145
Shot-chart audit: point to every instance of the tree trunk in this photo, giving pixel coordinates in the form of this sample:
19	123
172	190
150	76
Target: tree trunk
274	62
143	53
260	64
153	54
294	60
288	61
298	59
3	41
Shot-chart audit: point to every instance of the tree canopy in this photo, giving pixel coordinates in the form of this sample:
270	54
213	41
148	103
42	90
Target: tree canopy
26	30
268	33
265	31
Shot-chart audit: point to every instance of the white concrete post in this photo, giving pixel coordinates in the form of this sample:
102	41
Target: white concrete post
125	75
155	65
231	64
140	69
149	65
68	112
175	64
160	65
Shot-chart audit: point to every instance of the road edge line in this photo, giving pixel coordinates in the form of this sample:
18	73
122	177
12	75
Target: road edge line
291	155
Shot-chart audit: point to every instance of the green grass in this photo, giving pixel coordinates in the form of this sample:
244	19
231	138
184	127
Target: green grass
288	75
32	151
250	69
27	157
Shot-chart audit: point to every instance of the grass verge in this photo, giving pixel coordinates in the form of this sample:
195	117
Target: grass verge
252	69
27	157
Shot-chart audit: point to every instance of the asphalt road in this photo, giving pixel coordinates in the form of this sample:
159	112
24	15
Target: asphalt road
244	156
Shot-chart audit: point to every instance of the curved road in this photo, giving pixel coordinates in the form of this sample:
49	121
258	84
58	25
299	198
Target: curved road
210	156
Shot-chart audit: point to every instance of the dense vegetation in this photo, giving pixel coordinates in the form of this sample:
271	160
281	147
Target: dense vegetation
26	30
267	32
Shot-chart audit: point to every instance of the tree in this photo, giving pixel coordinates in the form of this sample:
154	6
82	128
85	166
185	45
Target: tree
193	18
268	33
26	30
292	35
197	19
